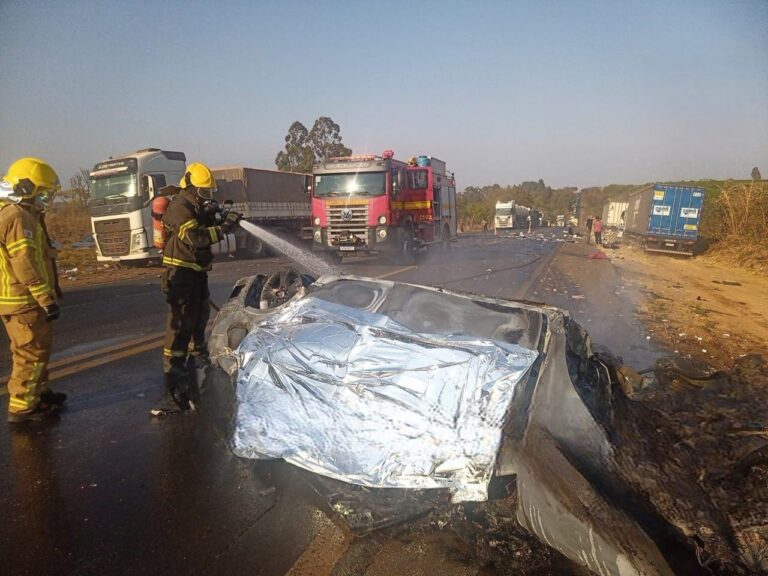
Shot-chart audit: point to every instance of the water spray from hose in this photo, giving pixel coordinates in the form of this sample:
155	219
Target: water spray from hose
314	264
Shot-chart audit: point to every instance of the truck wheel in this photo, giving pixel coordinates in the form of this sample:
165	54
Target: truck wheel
404	251
256	248
445	243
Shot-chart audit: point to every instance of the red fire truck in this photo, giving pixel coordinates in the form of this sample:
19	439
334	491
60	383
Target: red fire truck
372	204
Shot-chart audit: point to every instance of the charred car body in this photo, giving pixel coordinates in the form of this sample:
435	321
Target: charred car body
306	358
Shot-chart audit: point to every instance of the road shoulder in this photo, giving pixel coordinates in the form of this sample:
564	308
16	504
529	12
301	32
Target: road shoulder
702	310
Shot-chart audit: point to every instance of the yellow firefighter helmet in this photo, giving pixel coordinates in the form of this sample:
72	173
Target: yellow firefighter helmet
30	177
201	177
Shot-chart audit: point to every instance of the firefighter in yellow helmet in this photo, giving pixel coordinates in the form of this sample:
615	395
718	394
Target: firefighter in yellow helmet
28	286
191	219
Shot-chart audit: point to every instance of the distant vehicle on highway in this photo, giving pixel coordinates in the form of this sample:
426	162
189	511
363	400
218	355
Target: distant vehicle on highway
511	215
86	243
667	218
614	213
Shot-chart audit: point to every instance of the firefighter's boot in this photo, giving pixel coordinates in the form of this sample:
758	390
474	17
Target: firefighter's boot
43	411
177	394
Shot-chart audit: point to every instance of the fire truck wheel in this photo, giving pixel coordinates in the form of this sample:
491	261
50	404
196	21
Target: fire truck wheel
404	245
446	238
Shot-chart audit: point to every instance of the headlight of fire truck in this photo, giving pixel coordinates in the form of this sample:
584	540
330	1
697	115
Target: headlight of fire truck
382	220
138	241
317	220
316	235
382	233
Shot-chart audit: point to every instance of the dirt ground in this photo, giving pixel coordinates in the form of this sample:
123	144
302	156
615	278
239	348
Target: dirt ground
80	268
703	310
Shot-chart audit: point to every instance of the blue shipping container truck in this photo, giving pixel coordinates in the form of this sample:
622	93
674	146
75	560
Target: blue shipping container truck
667	217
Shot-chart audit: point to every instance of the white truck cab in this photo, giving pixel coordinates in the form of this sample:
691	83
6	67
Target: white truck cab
119	204
504	218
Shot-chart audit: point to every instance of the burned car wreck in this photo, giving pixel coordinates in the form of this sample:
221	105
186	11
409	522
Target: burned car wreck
402	399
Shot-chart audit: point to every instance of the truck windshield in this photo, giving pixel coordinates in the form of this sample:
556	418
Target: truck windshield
503	211
114	186
352	184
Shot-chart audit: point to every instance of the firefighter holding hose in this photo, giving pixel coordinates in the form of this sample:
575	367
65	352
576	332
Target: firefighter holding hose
28	286
190	219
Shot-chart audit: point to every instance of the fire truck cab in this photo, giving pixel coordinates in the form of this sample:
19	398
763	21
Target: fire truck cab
370	204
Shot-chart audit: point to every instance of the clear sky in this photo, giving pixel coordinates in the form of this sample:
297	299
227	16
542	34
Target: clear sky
575	92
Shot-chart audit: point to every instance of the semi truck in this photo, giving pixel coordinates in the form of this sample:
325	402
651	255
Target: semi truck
369	204
504	219
122	188
614	214
666	218
511	215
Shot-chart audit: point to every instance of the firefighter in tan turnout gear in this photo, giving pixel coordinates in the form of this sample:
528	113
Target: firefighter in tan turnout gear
28	286
191	220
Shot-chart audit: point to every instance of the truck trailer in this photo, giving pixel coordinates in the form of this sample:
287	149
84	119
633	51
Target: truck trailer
614	214
275	200
666	218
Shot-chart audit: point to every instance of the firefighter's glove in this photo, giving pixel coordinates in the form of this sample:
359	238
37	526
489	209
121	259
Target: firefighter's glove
211	207
229	223
52	312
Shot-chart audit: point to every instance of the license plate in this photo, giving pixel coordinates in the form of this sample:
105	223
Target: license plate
347	248
670	244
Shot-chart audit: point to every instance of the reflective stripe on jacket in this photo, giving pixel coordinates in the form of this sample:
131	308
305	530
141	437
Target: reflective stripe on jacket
191	234
26	259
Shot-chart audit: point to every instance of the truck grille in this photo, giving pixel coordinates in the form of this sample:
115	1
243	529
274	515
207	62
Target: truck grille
352	219
113	236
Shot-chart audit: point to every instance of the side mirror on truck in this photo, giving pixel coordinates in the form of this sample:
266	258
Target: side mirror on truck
147	186
308	185
397	182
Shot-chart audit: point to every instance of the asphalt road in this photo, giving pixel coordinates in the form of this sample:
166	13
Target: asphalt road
106	489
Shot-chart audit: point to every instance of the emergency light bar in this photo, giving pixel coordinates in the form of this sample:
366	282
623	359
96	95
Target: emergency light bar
355	158
386	155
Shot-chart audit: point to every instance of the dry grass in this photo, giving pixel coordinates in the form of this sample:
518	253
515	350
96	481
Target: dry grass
750	255
738	220
84	260
68	223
